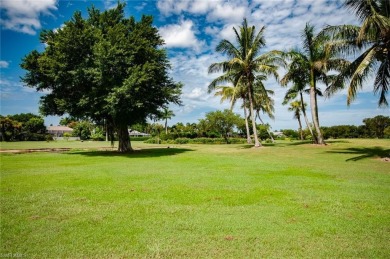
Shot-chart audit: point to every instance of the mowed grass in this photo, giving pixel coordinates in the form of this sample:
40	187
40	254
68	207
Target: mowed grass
290	199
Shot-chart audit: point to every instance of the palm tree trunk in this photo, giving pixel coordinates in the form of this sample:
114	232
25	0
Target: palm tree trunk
314	114
166	126
300	127
262	122
248	134
307	120
257	143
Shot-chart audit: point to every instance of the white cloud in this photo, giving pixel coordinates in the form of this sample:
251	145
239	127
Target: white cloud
3	64
110	4
23	15
216	10
180	35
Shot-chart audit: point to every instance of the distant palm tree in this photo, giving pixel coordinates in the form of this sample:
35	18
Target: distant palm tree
263	102
233	93
167	115
245	62
296	107
373	38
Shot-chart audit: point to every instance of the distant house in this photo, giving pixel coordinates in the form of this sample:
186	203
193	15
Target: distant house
278	134
134	133
58	131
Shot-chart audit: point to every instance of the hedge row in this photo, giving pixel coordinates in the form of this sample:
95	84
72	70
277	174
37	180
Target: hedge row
197	141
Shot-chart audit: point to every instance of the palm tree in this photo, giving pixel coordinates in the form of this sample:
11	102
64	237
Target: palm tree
167	115
245	62
317	59
373	38
263	102
298	74
233	93
296	107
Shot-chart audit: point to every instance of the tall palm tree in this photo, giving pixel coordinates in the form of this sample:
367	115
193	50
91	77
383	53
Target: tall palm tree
372	38
167	115
317	59
245	61
296	107
298	74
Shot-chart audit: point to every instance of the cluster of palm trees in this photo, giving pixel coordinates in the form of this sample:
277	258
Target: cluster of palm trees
321	55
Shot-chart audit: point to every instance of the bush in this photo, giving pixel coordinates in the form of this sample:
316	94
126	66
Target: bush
197	141
182	141
139	138
152	141
98	135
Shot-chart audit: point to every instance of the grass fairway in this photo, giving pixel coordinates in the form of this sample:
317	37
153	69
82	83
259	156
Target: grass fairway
198	201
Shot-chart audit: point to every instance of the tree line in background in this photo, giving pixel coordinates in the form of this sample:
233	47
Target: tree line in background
113	69
217	127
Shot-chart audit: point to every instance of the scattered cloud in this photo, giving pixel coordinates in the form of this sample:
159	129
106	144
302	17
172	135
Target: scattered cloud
23	15
216	10
110	4
3	64
181	35
140	7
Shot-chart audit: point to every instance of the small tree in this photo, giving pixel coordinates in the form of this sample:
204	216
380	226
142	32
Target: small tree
223	122
67	135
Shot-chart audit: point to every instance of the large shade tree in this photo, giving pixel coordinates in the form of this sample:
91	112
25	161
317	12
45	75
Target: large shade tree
245	62
371	41
104	66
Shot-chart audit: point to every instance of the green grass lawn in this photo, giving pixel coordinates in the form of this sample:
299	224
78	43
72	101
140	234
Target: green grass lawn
290	199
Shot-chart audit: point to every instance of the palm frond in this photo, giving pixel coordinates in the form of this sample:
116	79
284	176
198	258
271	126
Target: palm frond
382	82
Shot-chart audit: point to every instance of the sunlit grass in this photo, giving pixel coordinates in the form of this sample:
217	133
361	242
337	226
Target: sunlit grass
200	201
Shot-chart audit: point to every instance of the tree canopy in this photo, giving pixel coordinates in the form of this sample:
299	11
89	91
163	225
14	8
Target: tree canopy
104	66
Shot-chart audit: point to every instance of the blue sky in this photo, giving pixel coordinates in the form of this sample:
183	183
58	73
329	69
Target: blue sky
191	30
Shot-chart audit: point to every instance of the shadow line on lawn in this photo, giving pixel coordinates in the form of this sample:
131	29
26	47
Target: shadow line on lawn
139	153
363	153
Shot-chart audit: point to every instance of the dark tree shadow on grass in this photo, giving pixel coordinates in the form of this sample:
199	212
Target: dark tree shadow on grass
147	152
363	153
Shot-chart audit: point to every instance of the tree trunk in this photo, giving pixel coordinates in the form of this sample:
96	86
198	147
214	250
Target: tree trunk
269	133
257	143
124	139
248	134
166	126
314	114
307	120
300	127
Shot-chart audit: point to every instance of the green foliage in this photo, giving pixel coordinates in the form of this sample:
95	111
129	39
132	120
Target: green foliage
290	133
24	126
223	122
377	125
98	134
386	132
341	131
82	130
67	135
104	66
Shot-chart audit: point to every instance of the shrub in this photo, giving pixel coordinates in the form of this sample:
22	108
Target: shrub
182	141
